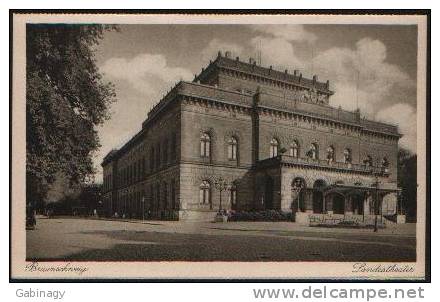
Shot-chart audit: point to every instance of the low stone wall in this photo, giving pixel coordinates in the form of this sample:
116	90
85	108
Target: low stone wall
197	215
337	219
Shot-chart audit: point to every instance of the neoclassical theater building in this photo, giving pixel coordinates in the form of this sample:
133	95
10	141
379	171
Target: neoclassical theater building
245	137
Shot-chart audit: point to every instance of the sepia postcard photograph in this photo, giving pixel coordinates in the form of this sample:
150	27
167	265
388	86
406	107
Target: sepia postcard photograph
219	146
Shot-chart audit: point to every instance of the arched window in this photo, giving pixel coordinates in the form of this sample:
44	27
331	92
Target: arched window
165	195
274	147
152	156
157	203
313	152
331	154
173	146
385	164
158	156
205	193
347	156
232	148
173	194
368	161
165	151
233	195
294	149
205	145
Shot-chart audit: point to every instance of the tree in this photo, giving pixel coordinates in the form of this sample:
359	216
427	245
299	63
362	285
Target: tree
66	98
407	180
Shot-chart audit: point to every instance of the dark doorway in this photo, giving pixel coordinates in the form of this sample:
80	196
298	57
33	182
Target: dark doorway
318	196
358	204
268	193
317	202
338	204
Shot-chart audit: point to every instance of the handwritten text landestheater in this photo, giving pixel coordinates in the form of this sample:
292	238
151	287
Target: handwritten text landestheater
362	267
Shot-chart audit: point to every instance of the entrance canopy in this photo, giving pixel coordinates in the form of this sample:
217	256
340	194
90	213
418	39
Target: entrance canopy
357	189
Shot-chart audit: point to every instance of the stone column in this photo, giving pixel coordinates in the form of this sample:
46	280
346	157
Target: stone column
308	200
348	209
328	200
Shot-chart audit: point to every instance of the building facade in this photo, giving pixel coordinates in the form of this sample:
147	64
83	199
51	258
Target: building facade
244	137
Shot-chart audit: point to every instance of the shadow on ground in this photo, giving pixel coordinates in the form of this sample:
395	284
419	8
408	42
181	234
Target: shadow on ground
161	246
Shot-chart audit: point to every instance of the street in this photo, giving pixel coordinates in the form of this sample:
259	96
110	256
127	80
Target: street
104	240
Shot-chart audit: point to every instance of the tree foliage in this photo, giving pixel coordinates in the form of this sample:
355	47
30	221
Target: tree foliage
407	181
66	98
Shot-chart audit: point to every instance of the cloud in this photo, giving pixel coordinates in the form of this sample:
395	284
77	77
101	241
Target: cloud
144	71
140	82
287	32
211	50
277	52
405	116
361	76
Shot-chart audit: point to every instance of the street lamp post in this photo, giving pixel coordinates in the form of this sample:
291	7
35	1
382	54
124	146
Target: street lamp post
299	185
143	208
220	184
376	202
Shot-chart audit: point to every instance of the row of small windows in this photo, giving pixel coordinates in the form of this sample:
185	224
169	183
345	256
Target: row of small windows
160	196
160	155
313	153
107	182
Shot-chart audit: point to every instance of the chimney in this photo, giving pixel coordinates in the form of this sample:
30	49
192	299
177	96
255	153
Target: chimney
300	77
219	54
315	79
252	61
295	72
237	59
270	69
285	71
327	84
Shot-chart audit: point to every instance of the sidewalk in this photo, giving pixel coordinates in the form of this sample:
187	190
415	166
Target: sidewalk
405	230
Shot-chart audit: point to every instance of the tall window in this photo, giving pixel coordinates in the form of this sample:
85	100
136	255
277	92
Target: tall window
274	147
173	194
313	152
158	154
233	195
151	202
165	151
368	161
165	195
232	148
294	149
205	193
173	146
331	154
347	156
385	164
205	145
152	159
157	196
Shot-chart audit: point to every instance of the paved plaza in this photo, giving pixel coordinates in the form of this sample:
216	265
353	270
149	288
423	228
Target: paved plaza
106	240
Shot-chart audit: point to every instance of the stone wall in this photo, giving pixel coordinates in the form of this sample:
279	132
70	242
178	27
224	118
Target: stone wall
221	125
192	175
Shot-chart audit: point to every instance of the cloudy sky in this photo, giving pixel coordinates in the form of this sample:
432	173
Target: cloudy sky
372	67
